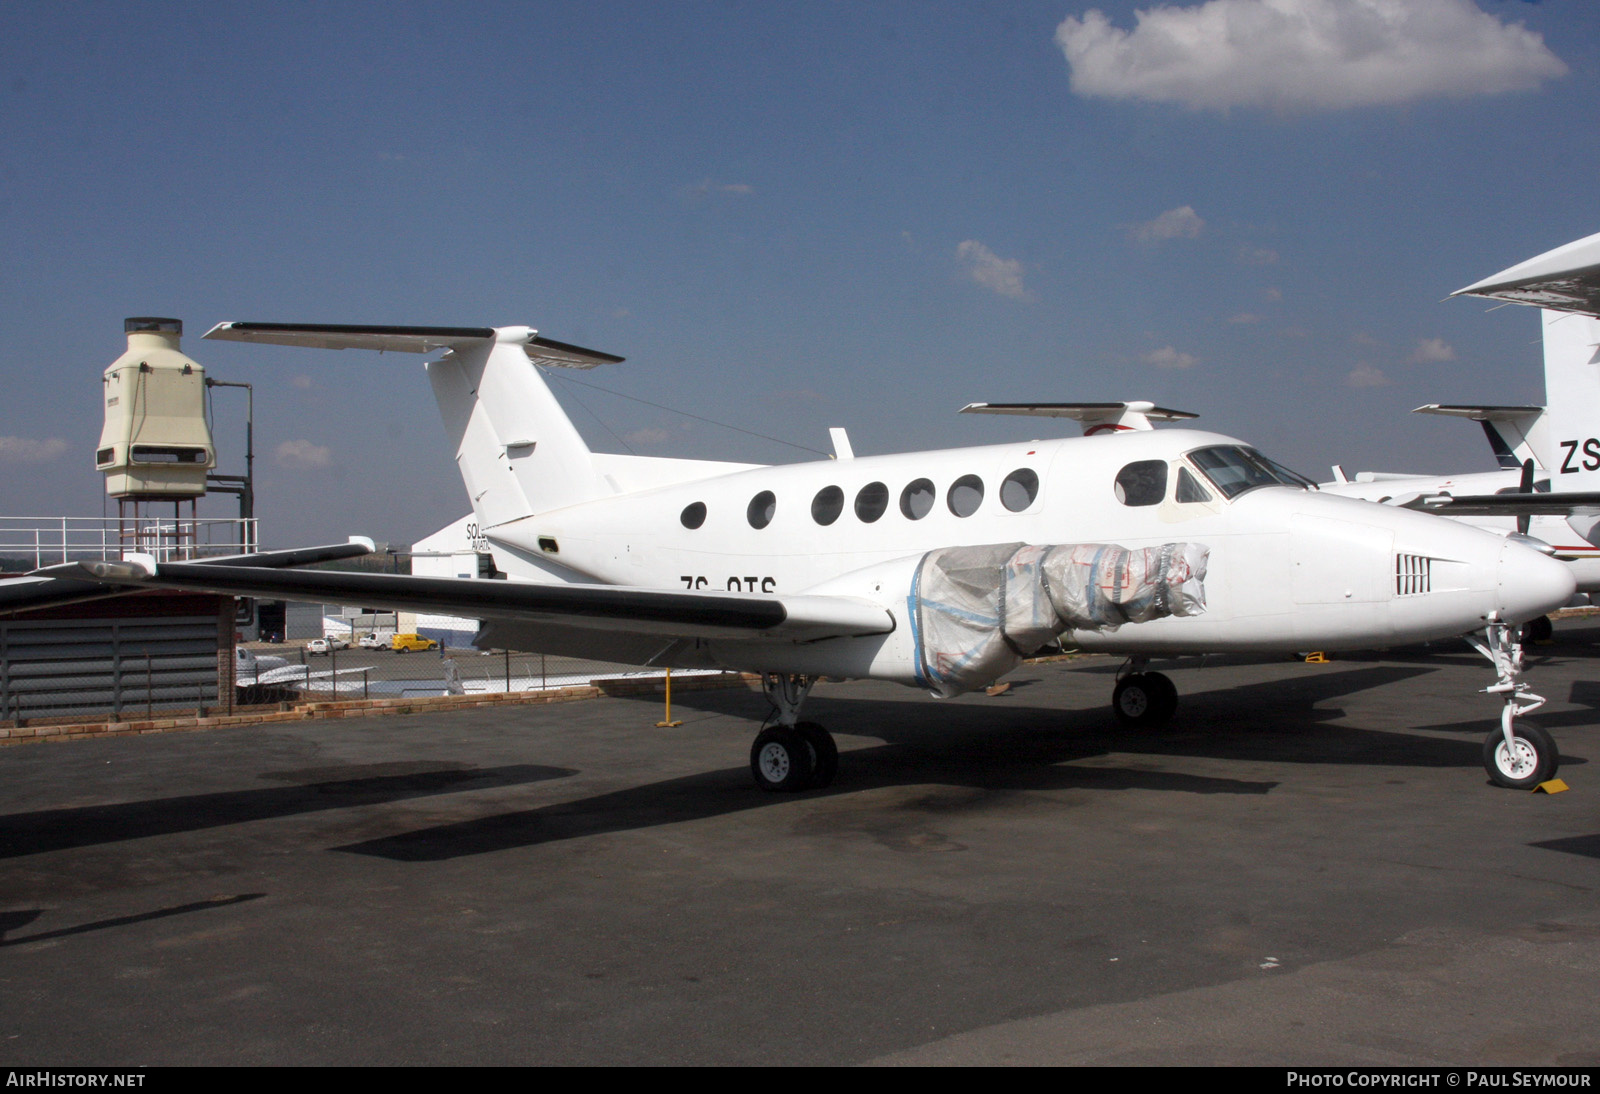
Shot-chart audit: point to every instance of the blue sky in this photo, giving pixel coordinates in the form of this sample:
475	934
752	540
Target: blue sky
786	217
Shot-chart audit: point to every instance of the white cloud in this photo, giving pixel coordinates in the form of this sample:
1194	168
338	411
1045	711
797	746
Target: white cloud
302	455
1180	223
1433	349
28	450
649	435
1245	318
1365	375
706	187
1002	275
1300	55
1167	357
1273	295
1251	255
303	383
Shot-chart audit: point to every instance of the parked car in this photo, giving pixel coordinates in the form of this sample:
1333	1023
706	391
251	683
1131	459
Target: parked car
373	642
405	643
318	645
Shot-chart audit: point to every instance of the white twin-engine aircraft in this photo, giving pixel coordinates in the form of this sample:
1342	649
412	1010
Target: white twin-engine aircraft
940	569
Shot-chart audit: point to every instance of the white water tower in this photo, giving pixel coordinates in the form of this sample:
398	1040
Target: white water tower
156	445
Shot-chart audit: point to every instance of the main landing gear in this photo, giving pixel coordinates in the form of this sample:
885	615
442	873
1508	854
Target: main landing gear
792	755
1144	699
1520	757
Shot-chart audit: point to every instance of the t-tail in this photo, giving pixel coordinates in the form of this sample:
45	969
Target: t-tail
517	450
1564	284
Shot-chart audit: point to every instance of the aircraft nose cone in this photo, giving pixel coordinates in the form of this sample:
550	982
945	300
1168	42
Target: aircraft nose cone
1530	583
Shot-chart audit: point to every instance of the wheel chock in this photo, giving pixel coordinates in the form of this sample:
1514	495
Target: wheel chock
998	689
1551	786
1318	658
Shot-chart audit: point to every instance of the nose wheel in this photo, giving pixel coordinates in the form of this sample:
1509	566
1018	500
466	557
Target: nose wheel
1516	756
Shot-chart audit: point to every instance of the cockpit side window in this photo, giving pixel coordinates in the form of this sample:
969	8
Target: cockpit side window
1189	489
1233	469
1142	483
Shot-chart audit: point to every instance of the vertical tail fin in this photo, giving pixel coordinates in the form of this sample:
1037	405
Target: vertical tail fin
1572	395
517	450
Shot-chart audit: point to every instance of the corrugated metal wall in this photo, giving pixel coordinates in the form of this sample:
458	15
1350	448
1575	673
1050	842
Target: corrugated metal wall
125	660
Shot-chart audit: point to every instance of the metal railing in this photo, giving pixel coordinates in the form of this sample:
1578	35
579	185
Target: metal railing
47	541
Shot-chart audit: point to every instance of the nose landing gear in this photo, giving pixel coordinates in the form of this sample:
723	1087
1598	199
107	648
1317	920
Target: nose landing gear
1519	757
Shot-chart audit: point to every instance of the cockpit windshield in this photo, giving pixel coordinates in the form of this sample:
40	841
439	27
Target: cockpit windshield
1233	469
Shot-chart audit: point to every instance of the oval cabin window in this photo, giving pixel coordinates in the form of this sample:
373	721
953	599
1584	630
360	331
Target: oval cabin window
916	500
762	508
965	495
871	502
827	505
1019	489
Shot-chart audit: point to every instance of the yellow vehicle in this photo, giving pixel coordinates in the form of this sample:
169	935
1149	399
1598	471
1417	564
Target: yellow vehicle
405	643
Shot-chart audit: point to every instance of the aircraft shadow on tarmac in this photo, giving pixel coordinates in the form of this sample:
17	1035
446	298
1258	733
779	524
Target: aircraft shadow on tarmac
990	746
1587	846
84	826
10	921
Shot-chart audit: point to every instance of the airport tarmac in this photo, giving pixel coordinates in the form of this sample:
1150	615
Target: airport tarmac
1307	867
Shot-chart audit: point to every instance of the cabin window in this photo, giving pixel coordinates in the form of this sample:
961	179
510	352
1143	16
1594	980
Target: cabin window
1142	483
762	507
827	505
871	501
1189	490
1019	489
916	500
693	515
965	495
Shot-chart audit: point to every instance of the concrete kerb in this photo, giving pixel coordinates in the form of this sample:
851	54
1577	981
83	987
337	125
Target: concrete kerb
36	730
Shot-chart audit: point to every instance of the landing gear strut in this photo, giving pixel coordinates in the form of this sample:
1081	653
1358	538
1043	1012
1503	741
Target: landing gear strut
1144	699
792	755
1520	757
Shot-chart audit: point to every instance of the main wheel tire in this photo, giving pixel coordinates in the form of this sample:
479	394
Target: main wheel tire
1531	758
1166	693
825	753
1144	699
1538	630
781	760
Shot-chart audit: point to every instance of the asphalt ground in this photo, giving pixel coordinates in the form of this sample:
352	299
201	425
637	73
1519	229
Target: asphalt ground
1307	867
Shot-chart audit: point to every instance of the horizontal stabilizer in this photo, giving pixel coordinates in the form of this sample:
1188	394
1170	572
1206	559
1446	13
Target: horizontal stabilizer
1481	413
1096	417
605	608
1564	279
400	339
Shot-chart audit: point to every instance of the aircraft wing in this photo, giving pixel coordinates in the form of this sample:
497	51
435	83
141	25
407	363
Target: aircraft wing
1507	505
1564	279
69	583
618	609
387	339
